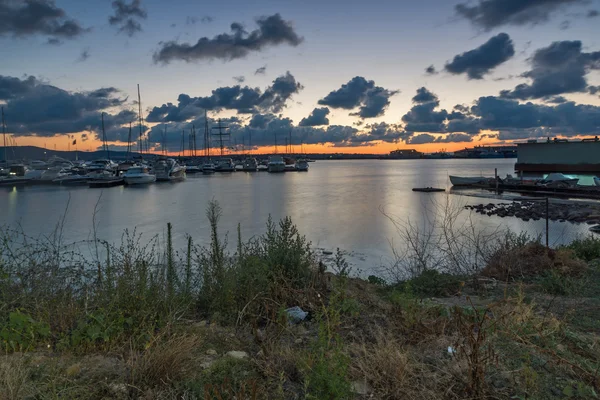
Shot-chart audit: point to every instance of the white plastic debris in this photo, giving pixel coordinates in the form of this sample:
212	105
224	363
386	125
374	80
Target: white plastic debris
296	314
451	350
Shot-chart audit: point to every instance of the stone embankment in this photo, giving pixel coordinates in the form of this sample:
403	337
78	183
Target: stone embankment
536	210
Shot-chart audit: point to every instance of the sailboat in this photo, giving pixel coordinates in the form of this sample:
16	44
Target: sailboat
128	163
208	167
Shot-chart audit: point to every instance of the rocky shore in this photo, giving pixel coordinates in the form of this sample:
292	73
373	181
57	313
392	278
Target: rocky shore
536	210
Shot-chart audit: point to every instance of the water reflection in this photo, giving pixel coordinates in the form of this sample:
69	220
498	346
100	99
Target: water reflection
335	204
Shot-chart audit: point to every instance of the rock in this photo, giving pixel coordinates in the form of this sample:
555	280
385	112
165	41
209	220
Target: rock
298	341
239	355
211	352
360	388
200	324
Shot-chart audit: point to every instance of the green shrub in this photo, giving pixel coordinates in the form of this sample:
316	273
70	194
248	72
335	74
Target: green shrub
587	248
432	283
21	332
555	284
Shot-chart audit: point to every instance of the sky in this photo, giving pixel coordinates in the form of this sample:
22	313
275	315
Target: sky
353	76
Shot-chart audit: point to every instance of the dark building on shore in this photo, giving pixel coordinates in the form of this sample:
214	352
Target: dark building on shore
559	156
405	154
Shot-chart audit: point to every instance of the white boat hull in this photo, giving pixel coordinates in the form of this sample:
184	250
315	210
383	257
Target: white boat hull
140	179
468	181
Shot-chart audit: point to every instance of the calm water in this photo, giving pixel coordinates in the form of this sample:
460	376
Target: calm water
335	204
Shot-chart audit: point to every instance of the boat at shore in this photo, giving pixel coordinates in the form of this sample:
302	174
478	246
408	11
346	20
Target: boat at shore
558	179
276	164
138	175
469	180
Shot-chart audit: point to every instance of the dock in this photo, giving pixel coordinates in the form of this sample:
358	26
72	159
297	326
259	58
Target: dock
581	192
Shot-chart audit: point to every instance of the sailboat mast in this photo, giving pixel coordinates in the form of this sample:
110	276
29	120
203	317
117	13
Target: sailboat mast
129	142
206	137
4	133
104	139
164	141
141	142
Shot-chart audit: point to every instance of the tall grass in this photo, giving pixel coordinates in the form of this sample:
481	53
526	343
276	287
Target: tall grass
51	294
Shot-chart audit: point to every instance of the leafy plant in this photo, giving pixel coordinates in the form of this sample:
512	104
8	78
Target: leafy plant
21	332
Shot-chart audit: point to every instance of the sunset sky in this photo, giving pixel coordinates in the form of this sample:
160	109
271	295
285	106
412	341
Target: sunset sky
350	76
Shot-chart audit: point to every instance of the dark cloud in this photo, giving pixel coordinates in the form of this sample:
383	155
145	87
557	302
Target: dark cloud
11	87
522	120
37	17
384	132
426	138
430	70
263	130
593	89
425	116
239	79
593	13
207	19
490	14
260	121
480	61
358	92
556	100
127	15
244	100
424	96
317	117
261	70
36	108
85	54
272	31
557	69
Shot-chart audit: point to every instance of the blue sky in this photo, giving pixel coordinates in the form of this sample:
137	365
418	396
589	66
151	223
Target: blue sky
388	42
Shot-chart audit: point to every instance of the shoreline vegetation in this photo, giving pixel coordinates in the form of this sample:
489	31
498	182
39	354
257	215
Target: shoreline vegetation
460	313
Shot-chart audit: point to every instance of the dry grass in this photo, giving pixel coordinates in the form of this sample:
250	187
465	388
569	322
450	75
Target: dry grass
163	363
14	378
384	364
530	261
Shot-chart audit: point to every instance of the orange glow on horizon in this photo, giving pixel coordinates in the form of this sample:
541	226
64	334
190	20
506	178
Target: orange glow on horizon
62	143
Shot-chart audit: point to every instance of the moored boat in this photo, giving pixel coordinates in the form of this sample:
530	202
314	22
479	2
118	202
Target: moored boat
250	164
302	165
167	169
225	165
138	174
469	181
276	164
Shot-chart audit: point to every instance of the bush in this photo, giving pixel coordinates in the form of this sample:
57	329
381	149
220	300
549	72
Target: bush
432	283
530	261
587	249
554	283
